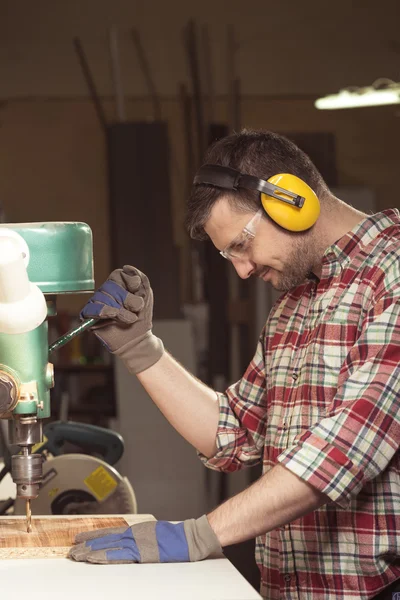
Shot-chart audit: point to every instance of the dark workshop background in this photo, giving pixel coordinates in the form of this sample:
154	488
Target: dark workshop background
261	65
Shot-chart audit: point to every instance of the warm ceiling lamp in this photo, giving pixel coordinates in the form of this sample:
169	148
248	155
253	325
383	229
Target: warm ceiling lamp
380	93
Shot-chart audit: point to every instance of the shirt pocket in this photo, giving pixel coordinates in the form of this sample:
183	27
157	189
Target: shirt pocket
332	357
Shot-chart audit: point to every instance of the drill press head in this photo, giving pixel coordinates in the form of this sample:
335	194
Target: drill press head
37	262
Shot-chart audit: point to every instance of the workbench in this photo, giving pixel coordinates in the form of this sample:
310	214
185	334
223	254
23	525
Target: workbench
64	579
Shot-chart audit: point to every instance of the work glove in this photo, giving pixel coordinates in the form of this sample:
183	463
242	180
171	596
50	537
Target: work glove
123	307
148	542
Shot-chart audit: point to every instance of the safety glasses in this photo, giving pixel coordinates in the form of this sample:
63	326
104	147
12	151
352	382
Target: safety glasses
239	247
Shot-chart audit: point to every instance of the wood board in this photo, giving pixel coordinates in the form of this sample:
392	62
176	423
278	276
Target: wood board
49	538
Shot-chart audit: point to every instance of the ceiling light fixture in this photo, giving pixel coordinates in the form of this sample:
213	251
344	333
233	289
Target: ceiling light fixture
381	92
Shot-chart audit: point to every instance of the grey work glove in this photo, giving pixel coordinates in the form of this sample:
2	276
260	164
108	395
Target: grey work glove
148	542
123	306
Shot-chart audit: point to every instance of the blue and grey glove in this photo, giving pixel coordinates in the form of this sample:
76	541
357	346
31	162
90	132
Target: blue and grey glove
148	542
123	307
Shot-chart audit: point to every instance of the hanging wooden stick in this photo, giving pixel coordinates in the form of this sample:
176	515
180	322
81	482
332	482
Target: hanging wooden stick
90	83
116	75
145	67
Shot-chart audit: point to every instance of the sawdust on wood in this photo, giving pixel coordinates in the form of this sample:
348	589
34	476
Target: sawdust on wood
50	538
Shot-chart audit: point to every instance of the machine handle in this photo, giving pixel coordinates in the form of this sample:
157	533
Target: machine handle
108	444
67	337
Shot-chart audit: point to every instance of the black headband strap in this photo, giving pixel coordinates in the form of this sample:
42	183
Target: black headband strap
223	177
231	179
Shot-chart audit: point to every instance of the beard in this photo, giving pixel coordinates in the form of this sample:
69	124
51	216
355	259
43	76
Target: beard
298	265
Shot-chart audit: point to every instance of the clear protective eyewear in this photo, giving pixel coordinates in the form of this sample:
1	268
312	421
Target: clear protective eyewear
238	248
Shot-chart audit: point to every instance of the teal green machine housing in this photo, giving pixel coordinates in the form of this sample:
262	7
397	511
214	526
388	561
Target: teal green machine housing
57	258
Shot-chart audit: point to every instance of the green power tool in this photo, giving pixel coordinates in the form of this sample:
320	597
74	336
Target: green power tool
37	262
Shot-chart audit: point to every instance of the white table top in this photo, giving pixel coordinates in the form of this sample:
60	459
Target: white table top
64	579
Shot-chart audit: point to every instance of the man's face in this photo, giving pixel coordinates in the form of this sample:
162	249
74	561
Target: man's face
282	258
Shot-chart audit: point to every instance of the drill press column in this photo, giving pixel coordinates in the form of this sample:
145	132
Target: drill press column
23	311
35	259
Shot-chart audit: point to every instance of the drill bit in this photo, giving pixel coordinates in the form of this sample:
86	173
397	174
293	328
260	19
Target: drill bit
28	516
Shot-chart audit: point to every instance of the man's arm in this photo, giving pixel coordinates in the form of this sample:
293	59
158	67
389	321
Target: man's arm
189	405
277	498
123	309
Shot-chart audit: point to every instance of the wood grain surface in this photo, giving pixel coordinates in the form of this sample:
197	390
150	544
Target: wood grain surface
49	537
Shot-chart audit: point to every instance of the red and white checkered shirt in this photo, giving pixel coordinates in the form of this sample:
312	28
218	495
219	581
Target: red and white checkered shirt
322	397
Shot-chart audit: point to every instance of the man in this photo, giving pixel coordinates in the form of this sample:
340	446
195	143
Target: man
319	402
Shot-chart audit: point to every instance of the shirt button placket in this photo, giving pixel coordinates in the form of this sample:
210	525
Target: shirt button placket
285	428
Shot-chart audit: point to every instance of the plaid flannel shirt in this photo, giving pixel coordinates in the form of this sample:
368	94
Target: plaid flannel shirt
322	397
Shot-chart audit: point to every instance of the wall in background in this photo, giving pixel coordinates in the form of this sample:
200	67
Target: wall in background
284	47
52	151
53	163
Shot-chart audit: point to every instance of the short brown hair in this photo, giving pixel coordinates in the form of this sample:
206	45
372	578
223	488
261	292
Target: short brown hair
254	152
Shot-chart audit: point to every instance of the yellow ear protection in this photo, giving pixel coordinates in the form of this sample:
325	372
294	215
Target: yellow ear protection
288	200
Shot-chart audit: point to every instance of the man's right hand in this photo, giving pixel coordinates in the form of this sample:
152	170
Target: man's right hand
123	307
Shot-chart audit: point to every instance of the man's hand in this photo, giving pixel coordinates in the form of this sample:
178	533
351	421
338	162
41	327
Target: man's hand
148	542
123	306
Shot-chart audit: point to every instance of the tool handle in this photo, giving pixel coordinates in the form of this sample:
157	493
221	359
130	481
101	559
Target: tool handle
98	440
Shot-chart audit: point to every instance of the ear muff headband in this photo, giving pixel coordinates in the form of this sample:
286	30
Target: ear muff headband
287	199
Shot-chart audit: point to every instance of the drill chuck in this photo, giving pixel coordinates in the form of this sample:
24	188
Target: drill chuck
27	474
26	468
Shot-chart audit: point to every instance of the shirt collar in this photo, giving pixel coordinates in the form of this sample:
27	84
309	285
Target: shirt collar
339	254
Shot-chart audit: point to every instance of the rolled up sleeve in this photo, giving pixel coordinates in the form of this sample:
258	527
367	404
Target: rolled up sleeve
242	413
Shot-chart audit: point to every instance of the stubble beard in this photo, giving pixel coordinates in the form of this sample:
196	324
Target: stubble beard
298	265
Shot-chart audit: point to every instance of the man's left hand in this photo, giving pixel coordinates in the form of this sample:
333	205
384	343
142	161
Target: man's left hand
148	542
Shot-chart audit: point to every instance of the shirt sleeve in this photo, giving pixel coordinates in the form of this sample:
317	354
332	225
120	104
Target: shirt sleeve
357	439
242	414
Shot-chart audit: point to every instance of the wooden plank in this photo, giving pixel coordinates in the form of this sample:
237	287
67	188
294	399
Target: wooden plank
50	538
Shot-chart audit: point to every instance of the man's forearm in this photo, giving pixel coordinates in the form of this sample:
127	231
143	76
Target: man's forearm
276	499
188	404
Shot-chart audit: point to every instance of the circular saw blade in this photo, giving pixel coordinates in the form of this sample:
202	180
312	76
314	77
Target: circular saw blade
81	484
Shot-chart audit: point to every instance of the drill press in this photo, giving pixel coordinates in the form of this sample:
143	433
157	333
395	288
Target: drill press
37	262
